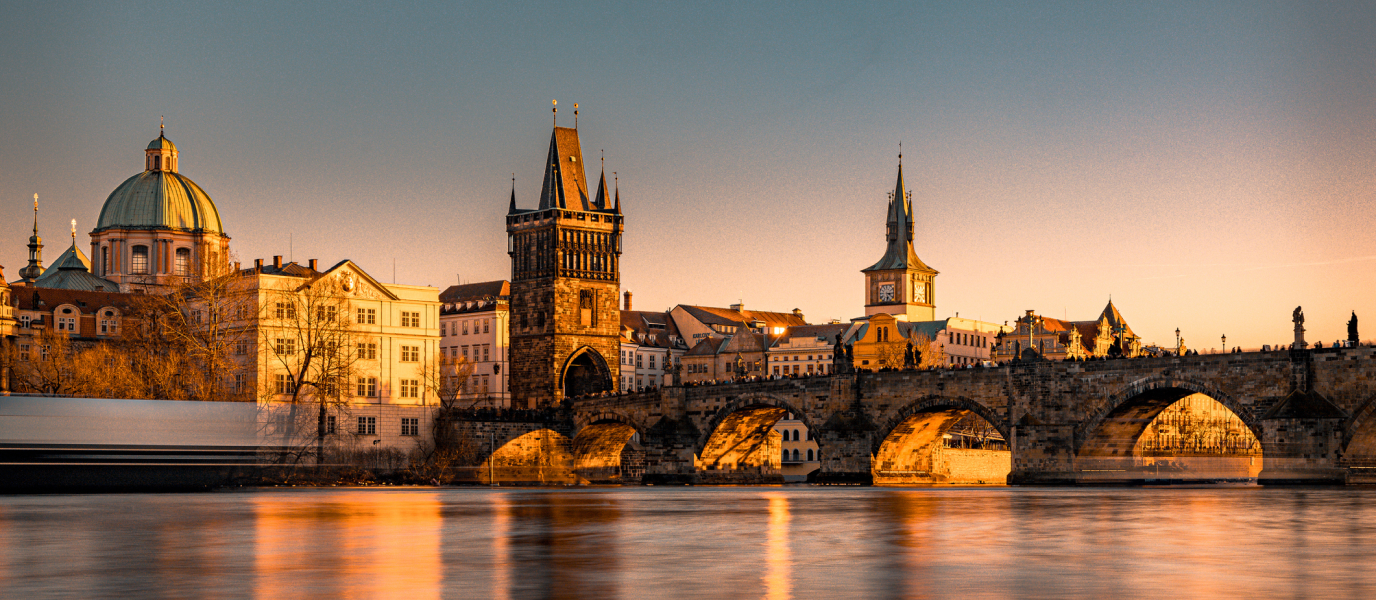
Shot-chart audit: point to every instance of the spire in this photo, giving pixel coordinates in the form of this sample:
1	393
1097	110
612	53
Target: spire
564	185
899	252
35	268
512	209
617	182
601	201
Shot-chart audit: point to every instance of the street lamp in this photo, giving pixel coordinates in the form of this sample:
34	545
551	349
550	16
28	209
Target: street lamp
1225	343
1177	341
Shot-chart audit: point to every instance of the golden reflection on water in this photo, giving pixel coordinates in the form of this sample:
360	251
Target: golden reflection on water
374	543
778	558
501	547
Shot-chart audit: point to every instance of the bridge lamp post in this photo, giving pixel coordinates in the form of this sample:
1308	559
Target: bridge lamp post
1177	341
1225	343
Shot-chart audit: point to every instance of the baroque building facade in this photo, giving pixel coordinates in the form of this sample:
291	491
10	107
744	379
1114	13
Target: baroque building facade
473	330
565	282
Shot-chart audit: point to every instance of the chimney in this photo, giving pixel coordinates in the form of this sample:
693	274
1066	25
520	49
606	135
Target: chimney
628	302
738	307
799	314
237	268
277	261
311	262
257	265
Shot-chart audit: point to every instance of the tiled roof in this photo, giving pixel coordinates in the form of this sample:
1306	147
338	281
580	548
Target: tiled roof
724	316
72	272
826	332
290	269
637	326
29	299
476	291
708	346
565	184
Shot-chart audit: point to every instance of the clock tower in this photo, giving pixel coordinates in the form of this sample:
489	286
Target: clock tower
900	284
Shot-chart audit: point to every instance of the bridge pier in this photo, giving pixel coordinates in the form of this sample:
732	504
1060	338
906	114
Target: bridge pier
1043	455
1302	451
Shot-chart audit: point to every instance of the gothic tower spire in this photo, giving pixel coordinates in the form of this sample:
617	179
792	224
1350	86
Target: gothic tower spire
900	283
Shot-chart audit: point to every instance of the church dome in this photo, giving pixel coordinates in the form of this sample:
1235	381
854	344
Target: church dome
160	197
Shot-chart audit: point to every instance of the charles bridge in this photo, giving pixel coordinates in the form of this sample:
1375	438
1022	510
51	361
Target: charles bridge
1065	422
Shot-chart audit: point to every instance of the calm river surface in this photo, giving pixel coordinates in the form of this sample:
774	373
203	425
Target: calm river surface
781	542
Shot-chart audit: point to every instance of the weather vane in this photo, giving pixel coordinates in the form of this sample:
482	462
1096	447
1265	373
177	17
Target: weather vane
161	125
73	231
555	102
575	115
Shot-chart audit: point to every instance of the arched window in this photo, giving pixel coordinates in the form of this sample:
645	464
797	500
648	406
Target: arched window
785	456
795	455
157	162
809	455
139	262
183	261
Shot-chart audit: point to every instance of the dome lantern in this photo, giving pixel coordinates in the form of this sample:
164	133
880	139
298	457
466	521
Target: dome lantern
161	154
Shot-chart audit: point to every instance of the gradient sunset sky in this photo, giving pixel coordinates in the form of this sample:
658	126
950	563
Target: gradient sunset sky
1208	165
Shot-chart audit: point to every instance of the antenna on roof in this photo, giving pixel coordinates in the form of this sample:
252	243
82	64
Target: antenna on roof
556	112
575	115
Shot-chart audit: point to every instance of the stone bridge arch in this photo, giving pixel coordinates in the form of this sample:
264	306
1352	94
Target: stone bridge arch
598	444
1113	430
937	402
1359	436
731	438
907	447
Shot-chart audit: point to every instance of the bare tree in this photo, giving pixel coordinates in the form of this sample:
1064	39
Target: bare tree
933	352
307	343
446	378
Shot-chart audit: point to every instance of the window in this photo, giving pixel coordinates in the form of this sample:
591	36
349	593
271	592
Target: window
285	310
24	321
410	319
24	352
465	327
484	380
809	455
285	347
639	358
325	314
241	347
410	353
444	329
485	325
410	388
66	324
367	426
330	423
410	426
465	352
486	348
367	387
238	383
283	384
367	316
367	350
183	264
139	263
652	361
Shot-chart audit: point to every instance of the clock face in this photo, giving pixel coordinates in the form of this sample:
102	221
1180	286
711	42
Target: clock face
886	292
919	292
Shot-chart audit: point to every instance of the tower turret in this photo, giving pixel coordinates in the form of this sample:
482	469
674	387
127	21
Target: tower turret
35	269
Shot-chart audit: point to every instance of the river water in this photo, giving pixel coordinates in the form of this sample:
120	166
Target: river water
744	542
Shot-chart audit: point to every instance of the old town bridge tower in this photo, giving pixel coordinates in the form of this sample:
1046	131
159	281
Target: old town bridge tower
565	279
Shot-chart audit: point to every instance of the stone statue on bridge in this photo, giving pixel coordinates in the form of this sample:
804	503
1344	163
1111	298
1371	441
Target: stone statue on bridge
1298	317
1352	329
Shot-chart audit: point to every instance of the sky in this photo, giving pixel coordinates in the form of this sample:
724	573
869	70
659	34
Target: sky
1208	166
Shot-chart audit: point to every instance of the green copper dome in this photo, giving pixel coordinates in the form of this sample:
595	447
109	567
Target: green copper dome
160	198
